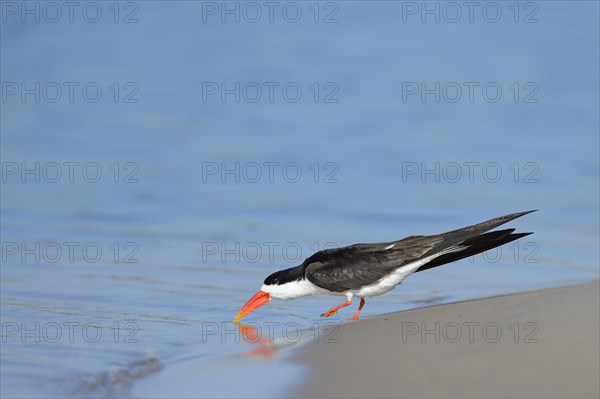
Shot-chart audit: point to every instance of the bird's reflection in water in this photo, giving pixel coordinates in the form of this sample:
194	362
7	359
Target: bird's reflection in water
264	347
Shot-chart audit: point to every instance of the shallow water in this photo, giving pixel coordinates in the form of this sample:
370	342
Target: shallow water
137	272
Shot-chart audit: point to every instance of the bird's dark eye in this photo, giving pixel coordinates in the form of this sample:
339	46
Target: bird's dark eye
271	280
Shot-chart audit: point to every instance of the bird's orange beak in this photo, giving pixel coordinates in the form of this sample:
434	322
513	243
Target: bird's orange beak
259	299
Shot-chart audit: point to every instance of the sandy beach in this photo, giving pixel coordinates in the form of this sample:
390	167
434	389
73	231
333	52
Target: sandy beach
536	344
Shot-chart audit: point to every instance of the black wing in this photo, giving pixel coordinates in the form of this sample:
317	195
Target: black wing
353	267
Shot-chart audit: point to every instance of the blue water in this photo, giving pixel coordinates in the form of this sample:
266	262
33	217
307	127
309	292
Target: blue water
124	282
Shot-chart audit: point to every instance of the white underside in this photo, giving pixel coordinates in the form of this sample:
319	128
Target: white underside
390	281
300	288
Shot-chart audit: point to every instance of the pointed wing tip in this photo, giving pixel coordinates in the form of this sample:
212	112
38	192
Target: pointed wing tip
519	214
527	212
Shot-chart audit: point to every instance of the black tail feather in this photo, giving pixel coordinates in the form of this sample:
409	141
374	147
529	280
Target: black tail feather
455	237
475	245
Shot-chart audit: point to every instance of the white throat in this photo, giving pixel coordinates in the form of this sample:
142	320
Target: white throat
291	290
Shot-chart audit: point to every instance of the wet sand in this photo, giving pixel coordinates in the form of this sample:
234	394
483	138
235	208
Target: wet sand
536	344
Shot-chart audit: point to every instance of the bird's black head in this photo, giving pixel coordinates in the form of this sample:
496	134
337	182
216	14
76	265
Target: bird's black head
285	276
288	284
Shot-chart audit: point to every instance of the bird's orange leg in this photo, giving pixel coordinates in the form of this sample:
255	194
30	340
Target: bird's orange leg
362	303
334	309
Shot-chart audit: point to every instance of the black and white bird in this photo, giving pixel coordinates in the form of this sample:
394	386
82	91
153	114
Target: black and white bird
365	270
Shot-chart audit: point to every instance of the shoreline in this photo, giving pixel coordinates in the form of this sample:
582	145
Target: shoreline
541	343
